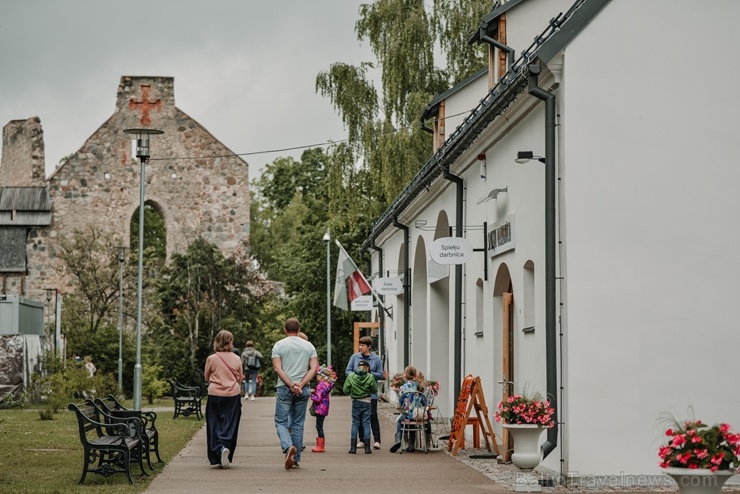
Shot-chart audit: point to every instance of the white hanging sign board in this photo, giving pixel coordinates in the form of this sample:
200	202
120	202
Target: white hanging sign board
363	302
451	250
388	286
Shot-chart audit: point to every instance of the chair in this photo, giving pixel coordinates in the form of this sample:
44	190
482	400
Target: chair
414	417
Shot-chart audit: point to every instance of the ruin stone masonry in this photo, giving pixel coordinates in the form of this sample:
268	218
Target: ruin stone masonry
195	182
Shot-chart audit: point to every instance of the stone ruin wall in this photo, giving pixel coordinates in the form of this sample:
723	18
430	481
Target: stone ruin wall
23	142
207	196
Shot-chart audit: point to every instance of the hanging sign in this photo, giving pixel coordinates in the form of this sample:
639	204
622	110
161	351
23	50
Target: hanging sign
451	250
363	302
388	286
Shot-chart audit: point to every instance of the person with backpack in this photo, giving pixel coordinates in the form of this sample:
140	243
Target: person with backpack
251	361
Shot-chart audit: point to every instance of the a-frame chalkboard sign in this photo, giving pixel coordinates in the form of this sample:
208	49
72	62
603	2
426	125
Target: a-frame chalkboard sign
471	399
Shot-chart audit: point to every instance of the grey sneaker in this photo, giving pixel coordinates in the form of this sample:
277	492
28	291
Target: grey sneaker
225	458
289	458
376	445
360	444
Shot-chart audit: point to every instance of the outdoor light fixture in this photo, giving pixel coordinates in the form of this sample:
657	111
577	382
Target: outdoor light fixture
420	223
327	239
142	152
492	195
524	156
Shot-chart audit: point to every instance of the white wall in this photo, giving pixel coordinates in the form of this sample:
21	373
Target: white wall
650	196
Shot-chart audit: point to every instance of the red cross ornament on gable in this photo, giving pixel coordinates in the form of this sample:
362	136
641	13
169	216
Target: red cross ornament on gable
145	106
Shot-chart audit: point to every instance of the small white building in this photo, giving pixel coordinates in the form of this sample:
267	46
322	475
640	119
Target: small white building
605	269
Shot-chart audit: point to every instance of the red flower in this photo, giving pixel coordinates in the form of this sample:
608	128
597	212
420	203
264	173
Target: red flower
695	445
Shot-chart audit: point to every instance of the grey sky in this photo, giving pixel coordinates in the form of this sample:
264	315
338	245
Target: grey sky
244	69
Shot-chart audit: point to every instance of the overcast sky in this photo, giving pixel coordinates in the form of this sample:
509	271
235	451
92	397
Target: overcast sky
244	69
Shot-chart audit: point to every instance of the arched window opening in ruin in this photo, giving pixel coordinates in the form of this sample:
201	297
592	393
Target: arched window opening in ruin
155	233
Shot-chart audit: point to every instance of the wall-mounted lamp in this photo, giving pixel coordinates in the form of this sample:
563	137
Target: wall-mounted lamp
106	175
524	156
482	162
492	195
420	223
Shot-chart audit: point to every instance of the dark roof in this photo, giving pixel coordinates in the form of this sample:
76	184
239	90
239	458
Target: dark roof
489	22
432	108
25	206
556	36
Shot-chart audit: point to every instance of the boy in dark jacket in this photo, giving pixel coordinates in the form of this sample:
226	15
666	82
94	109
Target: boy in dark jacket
359	386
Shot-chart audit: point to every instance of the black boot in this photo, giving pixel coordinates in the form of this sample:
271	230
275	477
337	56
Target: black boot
396	445
368	448
412	442
353	446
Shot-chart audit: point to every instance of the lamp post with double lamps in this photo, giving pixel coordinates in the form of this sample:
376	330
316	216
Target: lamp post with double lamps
327	239
142	152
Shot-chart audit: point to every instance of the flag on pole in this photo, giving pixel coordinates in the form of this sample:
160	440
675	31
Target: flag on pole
350	283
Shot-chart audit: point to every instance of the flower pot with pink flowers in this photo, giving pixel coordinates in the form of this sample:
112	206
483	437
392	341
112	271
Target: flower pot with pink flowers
700	458
525	417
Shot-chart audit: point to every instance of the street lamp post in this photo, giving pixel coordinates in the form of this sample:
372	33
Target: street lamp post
48	310
142	152
327	238
121	259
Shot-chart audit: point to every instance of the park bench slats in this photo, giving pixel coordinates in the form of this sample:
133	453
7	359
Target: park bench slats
109	443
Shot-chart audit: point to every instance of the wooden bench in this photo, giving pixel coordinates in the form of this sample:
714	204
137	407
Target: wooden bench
109	443
187	399
111	406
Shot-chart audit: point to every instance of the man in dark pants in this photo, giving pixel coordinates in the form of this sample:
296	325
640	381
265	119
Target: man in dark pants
376	369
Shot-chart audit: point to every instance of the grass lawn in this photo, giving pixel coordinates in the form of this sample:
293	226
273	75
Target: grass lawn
46	457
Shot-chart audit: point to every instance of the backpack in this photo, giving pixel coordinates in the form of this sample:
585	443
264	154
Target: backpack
253	362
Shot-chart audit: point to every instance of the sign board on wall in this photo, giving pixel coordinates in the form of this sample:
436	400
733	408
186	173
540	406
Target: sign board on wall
501	236
388	286
451	250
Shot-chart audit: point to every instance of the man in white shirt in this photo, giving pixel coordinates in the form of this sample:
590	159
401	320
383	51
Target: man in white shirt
295	362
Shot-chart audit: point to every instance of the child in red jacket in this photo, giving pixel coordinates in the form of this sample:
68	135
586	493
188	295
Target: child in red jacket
320	403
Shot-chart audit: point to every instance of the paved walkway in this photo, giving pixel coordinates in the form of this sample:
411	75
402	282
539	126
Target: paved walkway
259	464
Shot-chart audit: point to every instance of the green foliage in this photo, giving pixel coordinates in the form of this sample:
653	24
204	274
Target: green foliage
52	392
153	386
386	146
155	233
90	258
203	292
454	21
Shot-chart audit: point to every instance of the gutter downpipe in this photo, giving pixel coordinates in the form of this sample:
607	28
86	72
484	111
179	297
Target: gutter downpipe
458	181
509	50
381	314
406	289
550	246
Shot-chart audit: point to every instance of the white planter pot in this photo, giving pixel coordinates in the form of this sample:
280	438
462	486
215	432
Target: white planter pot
526	444
698	481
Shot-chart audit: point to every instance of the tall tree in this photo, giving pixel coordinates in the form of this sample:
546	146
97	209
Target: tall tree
90	260
384	137
202	293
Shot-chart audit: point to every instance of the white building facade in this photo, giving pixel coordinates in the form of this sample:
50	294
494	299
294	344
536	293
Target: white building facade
610	284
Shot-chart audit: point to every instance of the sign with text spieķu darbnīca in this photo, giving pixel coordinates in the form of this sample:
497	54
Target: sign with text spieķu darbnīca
451	250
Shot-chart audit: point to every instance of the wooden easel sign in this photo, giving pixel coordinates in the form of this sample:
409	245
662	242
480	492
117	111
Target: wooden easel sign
471	399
